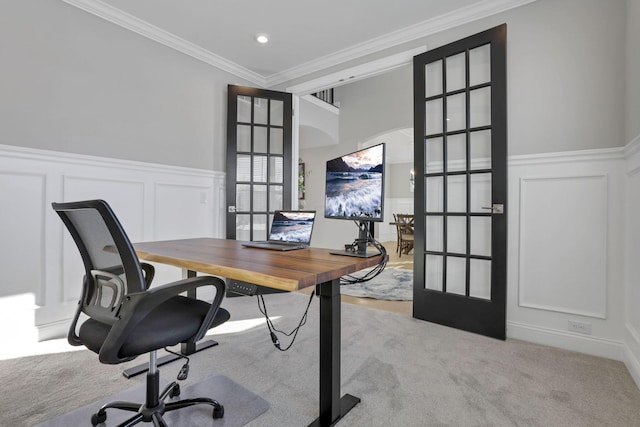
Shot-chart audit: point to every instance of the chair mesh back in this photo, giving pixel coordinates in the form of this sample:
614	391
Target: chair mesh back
112	269
96	238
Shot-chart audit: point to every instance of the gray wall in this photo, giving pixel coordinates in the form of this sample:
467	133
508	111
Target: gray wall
73	82
397	181
632	89
375	106
566	76
566	79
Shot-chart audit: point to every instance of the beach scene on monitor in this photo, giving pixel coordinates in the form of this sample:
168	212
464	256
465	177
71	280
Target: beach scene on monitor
354	185
292	226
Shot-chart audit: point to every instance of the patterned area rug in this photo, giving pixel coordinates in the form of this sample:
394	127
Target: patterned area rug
394	284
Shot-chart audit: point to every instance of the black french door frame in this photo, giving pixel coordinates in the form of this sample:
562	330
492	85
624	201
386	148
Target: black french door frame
285	155
486	316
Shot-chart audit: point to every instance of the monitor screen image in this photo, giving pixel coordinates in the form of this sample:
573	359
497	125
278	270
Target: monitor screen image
354	187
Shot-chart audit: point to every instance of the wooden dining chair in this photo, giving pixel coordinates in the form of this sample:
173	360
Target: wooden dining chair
404	228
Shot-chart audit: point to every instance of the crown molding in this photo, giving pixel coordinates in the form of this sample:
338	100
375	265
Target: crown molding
145	29
389	40
405	35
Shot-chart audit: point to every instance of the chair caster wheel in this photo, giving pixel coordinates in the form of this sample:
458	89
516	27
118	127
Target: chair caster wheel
98	418
175	391
218	411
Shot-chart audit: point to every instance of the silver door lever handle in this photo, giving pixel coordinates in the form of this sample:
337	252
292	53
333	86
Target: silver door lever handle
497	208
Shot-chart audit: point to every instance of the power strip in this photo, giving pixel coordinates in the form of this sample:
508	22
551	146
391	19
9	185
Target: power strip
243	288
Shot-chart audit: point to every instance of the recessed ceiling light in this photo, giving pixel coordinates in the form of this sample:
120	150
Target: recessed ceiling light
262	38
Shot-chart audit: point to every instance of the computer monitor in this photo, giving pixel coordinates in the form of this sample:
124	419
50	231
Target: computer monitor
354	189
354	185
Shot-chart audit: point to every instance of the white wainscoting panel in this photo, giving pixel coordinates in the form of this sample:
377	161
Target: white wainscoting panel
633	250
632	256
21	226
152	202
565	250
563	244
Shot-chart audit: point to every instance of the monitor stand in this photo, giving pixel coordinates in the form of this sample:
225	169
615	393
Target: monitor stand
359	248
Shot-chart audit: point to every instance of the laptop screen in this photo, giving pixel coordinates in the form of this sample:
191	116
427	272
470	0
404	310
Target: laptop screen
292	226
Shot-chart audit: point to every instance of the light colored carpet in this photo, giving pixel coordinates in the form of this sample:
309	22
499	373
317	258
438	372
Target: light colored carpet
393	284
406	371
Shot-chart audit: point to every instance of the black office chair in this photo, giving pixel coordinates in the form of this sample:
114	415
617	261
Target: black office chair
127	318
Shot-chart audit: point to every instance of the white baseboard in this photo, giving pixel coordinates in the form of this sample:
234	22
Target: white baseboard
633	365
594	346
53	330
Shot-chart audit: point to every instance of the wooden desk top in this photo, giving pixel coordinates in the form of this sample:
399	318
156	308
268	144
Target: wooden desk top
289	271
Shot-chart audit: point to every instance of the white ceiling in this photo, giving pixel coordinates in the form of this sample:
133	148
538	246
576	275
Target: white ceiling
306	35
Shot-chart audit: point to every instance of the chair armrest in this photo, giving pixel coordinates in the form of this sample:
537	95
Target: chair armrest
138	305
149	272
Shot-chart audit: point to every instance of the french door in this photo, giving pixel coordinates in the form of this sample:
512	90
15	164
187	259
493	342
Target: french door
259	163
460	152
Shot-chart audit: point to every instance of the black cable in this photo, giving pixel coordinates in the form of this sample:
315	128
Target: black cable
344	280
184	371
350	279
273	329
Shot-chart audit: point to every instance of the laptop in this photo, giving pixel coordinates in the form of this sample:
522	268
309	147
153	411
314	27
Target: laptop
290	230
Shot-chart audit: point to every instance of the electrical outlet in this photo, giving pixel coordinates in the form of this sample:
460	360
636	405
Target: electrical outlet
580	327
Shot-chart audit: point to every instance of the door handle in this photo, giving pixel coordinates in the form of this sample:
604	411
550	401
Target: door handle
497	208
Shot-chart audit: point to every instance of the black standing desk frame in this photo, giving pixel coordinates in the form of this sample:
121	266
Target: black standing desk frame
332	406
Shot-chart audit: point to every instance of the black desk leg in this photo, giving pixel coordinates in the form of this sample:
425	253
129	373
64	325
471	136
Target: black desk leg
185	348
332	406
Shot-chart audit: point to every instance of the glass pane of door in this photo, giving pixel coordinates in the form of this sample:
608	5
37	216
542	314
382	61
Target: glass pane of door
480	65
480	273
480	149
433	272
